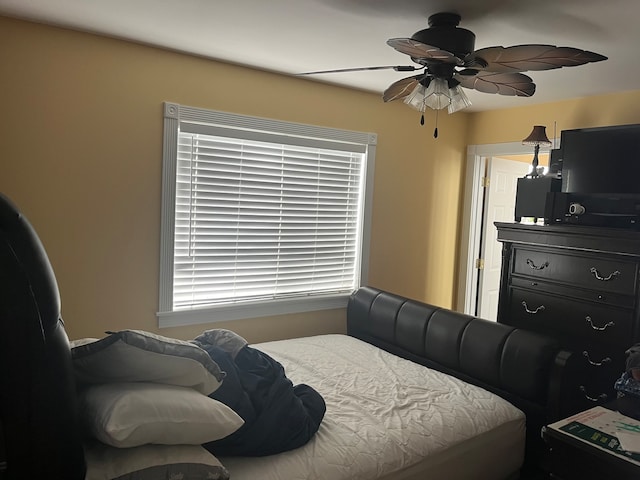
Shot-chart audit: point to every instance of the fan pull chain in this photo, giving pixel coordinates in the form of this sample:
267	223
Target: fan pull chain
435	130
422	119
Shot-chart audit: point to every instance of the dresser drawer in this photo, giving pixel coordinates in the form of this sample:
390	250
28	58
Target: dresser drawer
588	379
583	395
571	320
605	274
563	290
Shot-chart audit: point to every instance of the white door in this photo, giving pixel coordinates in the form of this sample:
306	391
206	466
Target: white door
499	206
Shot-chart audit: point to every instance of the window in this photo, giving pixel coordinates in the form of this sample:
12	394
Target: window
260	217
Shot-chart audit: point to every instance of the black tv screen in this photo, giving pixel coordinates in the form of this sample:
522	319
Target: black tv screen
601	160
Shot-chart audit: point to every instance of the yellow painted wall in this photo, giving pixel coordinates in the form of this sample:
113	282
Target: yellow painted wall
81	150
543	158
81	147
514	124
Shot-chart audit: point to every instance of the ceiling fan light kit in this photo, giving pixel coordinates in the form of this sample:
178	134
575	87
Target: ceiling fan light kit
437	94
449	62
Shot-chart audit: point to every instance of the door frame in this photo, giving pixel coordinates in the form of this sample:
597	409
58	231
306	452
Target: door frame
471	226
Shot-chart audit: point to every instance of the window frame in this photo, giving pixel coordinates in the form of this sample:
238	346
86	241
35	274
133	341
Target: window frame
173	115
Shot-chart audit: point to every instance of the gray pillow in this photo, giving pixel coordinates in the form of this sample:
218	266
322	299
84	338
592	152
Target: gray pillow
152	462
138	356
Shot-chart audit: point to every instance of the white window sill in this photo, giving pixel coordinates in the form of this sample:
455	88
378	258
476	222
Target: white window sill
265	308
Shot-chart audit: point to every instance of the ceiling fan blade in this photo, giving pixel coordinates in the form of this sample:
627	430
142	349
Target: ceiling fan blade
400	89
522	58
397	68
511	84
421	52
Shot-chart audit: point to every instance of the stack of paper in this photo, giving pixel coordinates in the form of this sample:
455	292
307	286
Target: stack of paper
606	429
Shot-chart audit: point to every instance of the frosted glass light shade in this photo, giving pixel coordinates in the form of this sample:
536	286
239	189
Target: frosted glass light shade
437	95
459	99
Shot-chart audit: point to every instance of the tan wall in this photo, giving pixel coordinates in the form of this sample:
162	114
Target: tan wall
514	124
81	155
543	158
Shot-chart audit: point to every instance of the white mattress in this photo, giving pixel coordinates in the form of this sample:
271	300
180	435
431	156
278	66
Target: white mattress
388	418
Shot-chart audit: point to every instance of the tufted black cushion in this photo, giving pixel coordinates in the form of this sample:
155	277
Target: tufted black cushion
38	424
501	358
521	366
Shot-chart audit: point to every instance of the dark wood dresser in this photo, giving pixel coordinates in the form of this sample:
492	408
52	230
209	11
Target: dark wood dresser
580	284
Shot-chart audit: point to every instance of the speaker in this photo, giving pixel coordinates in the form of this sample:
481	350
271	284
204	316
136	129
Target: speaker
556	207
555	162
531	195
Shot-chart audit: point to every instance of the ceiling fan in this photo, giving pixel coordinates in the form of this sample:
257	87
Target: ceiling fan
445	54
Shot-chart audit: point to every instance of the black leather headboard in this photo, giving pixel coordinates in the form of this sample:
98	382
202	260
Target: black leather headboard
39	434
521	366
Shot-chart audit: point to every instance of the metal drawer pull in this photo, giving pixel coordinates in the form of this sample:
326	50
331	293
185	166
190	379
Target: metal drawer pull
596	364
596	274
604	327
533	265
533	312
600	398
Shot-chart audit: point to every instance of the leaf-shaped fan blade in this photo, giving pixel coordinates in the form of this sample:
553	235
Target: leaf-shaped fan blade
513	84
400	89
397	68
521	58
421	52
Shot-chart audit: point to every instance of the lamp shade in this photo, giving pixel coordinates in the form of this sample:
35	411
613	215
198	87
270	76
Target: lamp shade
538	136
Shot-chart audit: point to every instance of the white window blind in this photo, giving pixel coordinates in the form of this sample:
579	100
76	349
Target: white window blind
261	215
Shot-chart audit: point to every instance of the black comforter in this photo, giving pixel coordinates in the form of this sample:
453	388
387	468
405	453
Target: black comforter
278	416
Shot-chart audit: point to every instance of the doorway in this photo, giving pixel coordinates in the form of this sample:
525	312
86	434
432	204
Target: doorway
478	287
498	206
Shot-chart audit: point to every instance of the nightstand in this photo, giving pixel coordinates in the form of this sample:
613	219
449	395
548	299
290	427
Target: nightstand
583	446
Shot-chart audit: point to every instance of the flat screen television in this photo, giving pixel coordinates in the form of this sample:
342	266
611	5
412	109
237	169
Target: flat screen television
601	160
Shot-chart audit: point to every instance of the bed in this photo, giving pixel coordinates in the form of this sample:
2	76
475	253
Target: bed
412	390
386	418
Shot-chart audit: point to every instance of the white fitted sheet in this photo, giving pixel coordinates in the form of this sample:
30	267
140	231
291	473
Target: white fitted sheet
388	417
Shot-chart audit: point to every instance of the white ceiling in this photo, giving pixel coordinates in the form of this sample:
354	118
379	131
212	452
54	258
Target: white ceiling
294	36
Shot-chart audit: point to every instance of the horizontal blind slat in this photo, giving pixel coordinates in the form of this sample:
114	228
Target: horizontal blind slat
259	219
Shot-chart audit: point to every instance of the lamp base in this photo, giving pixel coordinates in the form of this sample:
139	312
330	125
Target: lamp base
534	163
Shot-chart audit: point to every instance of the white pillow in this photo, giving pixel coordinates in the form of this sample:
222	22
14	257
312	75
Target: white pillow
133	414
152	462
137	356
